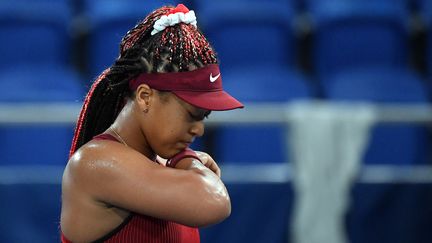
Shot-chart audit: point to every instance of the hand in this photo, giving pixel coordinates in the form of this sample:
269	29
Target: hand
209	162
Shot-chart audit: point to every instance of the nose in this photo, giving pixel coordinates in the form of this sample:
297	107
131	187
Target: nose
197	129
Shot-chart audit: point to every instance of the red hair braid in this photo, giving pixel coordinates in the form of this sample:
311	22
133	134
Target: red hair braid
83	112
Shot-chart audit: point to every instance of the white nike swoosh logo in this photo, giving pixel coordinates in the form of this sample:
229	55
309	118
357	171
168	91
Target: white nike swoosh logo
212	79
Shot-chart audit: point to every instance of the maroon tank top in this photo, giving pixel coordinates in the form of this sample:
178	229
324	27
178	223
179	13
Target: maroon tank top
138	228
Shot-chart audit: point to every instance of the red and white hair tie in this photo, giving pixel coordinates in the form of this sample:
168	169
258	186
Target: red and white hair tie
180	14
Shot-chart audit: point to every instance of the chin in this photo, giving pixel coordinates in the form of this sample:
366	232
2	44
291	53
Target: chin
165	155
169	152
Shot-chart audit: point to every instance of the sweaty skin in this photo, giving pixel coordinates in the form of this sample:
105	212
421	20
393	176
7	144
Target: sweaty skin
105	180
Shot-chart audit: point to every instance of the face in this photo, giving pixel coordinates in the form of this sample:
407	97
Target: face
172	124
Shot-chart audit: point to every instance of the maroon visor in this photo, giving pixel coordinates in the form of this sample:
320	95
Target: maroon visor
201	87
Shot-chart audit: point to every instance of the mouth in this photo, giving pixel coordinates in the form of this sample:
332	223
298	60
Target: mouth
189	141
186	143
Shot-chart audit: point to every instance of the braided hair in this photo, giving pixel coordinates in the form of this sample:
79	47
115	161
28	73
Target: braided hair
178	48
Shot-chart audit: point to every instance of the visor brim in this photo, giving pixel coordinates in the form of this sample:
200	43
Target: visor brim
213	100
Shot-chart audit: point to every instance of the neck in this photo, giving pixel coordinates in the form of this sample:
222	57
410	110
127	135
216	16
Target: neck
130	132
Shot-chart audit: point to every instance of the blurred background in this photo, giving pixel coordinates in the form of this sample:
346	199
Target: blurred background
273	54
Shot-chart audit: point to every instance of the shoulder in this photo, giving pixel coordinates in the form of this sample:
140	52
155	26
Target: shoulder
101	160
95	155
96	149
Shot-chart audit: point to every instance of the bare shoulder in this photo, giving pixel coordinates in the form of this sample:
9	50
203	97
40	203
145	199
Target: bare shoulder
106	158
104	153
98	162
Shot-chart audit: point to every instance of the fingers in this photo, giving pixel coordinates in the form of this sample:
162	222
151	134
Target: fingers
209	162
204	157
215	168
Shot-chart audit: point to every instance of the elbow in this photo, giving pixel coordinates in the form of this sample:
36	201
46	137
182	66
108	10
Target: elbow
212	214
215	205
220	212
225	212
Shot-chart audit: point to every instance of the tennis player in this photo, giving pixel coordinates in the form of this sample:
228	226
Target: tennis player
147	107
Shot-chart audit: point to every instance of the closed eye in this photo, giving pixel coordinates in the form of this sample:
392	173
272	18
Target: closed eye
201	116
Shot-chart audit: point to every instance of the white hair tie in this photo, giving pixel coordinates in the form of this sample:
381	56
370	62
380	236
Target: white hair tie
180	14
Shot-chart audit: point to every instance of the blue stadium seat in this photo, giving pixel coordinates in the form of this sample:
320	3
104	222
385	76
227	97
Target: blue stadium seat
30	211
250	33
400	144
380	211
252	219
382	207
34	31
46	144
109	20
357	33
259	143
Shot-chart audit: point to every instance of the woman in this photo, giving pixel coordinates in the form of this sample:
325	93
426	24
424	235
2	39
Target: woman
150	103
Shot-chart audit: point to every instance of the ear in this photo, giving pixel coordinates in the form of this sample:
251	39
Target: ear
143	97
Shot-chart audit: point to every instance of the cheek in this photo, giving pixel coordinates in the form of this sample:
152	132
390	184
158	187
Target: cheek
171	128
174	129
167	133
167	138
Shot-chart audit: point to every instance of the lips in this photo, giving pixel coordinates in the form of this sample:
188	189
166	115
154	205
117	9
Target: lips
187	142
